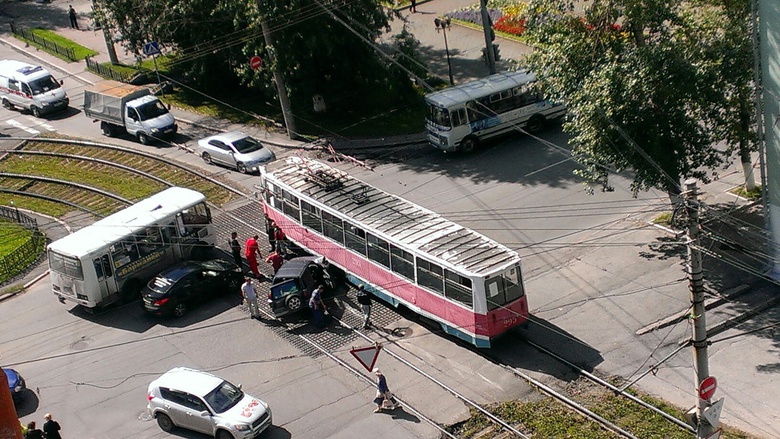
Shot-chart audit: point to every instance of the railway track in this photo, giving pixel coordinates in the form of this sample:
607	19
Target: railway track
124	164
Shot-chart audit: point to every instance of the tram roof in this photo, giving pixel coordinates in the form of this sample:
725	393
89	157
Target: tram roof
396	219
480	88
129	220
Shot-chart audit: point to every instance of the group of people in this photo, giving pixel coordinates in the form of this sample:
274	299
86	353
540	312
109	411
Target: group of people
51	429
276	256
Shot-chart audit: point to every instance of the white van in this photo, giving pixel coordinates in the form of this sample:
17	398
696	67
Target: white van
31	88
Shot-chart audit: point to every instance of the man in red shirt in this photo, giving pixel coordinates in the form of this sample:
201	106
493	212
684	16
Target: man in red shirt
276	260
252	252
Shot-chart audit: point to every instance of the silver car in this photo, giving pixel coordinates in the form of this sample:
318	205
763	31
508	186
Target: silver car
202	402
236	150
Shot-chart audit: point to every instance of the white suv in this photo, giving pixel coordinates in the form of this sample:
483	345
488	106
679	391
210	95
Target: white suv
202	402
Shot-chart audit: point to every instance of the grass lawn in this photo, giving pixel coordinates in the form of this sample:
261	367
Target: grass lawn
13	237
79	51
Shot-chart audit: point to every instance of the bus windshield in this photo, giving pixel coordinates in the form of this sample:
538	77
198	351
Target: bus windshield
65	265
439	116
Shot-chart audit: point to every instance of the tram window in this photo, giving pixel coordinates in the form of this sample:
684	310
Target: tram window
333	227
513	284
290	206
457	287
355	238
402	262
430	275
378	250
495	293
311	216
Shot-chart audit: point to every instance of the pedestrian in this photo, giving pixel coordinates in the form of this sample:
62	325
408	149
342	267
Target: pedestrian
72	16
32	432
413	8
250	298
270	230
235	247
318	306
276	260
365	302
281	241
383	393
51	428
252	252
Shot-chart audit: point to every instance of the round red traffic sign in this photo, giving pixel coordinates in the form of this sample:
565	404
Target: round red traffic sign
707	388
255	62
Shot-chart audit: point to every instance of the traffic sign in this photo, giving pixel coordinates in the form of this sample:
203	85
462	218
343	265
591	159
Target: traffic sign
367	356
255	62
707	388
712	413
151	48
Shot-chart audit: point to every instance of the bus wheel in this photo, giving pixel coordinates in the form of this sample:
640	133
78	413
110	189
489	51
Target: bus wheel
535	124
468	145
131	291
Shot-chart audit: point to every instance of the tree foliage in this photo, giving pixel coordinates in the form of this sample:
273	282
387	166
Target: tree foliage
645	83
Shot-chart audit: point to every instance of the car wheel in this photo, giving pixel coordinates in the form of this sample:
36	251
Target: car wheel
241	168
222	434
535	124
7	104
107	129
207	158
35	111
468	145
294	303
165	422
143	138
180	309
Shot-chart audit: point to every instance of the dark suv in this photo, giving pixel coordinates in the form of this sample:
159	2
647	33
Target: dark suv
296	279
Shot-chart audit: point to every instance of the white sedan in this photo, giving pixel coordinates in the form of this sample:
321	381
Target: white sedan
236	150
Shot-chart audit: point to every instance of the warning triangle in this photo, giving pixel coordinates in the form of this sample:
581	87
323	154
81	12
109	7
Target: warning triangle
366	356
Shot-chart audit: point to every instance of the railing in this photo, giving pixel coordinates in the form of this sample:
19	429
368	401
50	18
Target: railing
49	45
106	72
19	259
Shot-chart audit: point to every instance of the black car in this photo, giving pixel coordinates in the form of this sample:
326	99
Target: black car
296	279
176	289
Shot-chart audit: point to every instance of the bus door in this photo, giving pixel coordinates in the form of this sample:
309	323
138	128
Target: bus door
105	276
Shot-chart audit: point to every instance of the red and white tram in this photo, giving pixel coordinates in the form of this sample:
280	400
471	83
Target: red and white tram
404	254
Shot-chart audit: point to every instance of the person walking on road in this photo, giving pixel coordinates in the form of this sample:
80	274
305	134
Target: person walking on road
235	247
413	7
383	393
365	303
252	251
32	432
51	428
276	260
250	298
318	307
72	16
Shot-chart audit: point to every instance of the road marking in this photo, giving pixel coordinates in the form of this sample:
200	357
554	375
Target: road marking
17	124
38	123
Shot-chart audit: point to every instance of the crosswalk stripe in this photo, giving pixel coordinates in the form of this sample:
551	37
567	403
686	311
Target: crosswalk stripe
37	123
16	124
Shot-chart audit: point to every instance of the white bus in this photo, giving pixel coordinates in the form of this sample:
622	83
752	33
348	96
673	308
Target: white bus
114	257
458	118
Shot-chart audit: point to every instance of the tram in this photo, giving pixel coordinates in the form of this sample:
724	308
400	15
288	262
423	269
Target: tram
403	253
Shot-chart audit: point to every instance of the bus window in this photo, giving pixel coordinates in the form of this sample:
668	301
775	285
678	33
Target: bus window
333	228
459	117
148	240
457	287
355	238
402	262
430	275
124	252
378	250
311	216
197	214
439	116
106	266
98	268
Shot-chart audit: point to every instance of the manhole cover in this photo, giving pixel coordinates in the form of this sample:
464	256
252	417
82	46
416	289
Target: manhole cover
145	416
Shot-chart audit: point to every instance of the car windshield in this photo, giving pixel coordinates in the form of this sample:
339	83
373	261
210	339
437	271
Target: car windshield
223	397
151	110
247	145
47	83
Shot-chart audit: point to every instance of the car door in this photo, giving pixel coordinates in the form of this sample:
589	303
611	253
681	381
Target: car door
174	406
186	289
197	415
221	153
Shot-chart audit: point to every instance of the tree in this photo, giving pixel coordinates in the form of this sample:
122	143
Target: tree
639	98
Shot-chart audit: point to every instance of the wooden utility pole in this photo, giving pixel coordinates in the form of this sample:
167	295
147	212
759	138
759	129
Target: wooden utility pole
487	28
284	101
699	329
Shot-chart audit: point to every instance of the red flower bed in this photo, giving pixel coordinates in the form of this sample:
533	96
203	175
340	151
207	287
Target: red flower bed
510	25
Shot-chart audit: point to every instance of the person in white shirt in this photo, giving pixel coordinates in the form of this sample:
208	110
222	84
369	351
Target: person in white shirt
250	298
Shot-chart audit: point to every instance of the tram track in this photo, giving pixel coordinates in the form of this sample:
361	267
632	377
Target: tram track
155	170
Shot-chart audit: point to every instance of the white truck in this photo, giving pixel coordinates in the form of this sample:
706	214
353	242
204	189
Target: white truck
129	108
31	88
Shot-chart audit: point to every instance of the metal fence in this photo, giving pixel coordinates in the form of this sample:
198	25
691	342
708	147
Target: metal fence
24	255
49	45
106	72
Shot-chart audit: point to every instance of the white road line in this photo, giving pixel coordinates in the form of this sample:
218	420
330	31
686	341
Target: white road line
17	124
37	123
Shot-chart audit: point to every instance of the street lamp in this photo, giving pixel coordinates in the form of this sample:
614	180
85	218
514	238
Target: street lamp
442	24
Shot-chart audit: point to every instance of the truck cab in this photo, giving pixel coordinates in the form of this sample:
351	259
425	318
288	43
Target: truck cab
148	117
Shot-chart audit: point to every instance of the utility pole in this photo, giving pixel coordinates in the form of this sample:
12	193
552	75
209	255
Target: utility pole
487	27
284	101
699	331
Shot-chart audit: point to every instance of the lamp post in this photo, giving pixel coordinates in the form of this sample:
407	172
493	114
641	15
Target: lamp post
443	24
